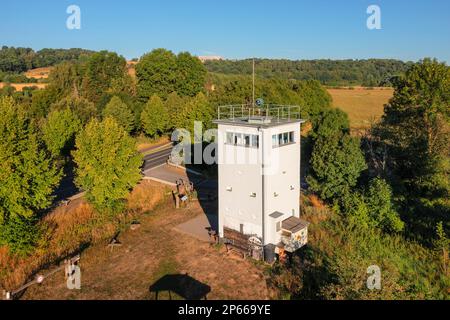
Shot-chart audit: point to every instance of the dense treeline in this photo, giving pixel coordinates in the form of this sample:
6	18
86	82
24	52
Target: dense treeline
370	72
80	125
388	196
411	146
17	60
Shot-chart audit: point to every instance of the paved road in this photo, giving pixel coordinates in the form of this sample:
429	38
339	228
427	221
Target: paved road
157	158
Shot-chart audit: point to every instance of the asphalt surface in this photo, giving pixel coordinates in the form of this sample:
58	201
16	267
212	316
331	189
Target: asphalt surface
156	158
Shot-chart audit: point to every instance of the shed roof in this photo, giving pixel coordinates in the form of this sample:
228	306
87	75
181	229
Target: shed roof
294	224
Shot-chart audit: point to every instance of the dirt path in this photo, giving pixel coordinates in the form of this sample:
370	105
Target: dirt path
148	254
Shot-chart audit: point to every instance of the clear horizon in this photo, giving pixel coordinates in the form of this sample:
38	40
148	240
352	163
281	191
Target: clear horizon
410	30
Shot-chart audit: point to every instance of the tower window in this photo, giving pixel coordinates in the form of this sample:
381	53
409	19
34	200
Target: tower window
237	139
255	141
286	138
274	140
247	141
291	136
229	137
282	139
243	140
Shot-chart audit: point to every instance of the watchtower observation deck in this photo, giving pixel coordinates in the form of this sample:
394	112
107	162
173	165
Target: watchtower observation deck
266	116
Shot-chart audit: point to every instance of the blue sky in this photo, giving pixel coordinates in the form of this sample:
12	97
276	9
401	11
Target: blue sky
289	29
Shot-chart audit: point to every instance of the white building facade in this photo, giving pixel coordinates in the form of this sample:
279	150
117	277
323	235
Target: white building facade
259	179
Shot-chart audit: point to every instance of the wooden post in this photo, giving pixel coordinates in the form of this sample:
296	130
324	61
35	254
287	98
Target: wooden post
177	201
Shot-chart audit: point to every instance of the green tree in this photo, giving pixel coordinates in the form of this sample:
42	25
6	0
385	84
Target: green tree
336	164
156	74
381	208
154	117
415	126
413	144
353	206
161	72
373	208
65	79
197	109
176	109
59	131
27	174
41	102
125	85
315	99
108	165
103	70
191	75
83	108
330	123
120	112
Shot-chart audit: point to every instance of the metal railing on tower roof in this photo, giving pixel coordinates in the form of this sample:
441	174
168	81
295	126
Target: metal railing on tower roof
269	112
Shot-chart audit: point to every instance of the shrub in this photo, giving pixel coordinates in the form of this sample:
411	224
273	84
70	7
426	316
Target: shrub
336	164
20	234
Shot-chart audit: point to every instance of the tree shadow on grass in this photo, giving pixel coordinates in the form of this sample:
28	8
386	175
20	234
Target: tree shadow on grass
182	285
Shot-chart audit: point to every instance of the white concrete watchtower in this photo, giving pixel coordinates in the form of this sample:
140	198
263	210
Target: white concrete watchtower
259	179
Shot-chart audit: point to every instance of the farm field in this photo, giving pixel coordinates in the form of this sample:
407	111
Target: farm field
362	105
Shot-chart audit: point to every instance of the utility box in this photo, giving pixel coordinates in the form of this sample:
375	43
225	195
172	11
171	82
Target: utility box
259	173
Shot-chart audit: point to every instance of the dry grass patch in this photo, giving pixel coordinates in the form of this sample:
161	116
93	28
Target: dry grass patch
146	196
39	73
144	142
20	86
361	104
69	229
152	252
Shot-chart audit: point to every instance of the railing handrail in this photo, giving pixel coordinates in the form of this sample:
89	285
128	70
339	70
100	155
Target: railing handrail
246	111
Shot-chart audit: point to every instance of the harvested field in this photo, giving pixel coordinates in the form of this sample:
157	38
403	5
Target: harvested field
20	86
362	105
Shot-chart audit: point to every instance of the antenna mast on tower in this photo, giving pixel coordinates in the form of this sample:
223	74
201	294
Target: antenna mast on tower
253	86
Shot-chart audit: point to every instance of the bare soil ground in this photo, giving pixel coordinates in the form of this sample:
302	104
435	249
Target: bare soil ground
151	252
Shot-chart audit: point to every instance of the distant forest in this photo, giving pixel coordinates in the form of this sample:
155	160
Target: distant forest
368	73
17	60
